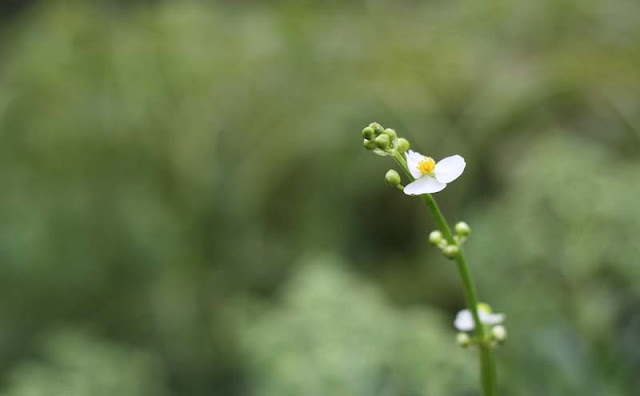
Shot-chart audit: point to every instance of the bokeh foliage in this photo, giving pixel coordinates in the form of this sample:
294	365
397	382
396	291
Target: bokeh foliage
168	169
335	334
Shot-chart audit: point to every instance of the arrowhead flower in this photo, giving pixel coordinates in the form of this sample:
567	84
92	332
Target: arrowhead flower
464	319
427	177
431	177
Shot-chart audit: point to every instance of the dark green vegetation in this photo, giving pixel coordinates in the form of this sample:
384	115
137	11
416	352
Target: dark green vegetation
184	194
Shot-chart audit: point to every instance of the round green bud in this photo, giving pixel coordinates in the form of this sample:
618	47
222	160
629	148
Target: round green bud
369	144
367	133
382	142
391	133
484	307
499	333
377	128
463	229
451	251
392	178
403	145
435	237
463	340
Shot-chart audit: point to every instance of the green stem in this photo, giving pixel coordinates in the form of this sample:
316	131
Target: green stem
487	369
487	364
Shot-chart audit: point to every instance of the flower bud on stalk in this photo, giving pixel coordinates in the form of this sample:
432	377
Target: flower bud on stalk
382	142
435	238
392	178
377	128
403	145
463	229
367	133
369	144
451	251
391	133
463	340
499	333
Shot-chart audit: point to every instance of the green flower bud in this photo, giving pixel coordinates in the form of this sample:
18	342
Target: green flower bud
377	128
369	144
463	340
382	142
499	333
463	229
403	145
367	133
435	238
484	307
392	178
391	133
451	251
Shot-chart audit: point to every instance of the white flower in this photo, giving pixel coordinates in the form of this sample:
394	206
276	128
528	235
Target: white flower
464	319
431	177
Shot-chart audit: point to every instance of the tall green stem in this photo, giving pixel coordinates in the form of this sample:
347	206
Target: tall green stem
487	364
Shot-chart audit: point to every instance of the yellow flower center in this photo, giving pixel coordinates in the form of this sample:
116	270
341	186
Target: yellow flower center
427	165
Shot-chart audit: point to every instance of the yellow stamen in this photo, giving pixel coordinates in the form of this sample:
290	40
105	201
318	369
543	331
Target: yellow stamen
427	165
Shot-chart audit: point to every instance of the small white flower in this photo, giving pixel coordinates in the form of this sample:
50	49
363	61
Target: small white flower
431	177
464	319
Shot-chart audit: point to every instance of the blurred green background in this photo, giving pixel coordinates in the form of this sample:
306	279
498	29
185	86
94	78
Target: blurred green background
186	207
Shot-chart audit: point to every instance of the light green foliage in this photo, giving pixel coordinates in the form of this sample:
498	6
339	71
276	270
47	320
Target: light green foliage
74	364
335	334
565	268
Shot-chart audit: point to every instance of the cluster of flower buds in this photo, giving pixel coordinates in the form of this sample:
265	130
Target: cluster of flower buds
450	250
497	335
383	141
495	332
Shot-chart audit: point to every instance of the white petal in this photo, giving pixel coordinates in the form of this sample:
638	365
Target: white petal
424	185
413	159
449	169
464	321
490	318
